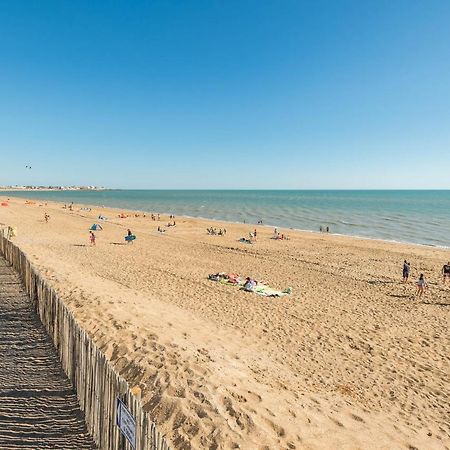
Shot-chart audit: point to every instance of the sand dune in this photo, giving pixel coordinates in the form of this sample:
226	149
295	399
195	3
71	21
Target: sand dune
350	360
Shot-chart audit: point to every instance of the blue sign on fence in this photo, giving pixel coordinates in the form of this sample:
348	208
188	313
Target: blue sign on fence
126	422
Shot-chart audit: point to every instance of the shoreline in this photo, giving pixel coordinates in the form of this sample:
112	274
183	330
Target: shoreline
224	221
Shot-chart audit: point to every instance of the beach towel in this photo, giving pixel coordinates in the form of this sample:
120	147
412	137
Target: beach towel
267	291
248	285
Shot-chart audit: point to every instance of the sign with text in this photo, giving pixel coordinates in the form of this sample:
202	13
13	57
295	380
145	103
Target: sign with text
126	422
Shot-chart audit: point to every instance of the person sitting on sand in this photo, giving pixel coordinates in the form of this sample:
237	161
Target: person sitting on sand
446	272
249	284
92	237
406	270
421	285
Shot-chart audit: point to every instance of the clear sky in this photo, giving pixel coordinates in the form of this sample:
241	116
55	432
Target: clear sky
225	94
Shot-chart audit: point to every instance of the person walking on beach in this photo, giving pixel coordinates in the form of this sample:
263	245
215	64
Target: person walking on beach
446	272
46	217
92	237
130	238
421	285
406	270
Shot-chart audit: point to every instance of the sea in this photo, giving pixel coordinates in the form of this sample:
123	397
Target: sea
413	216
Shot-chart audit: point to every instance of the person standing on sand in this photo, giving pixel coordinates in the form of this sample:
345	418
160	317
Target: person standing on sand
406	270
92	237
46	217
421	285
129	234
446	272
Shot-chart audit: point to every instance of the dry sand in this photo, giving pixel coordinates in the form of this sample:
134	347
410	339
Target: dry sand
350	360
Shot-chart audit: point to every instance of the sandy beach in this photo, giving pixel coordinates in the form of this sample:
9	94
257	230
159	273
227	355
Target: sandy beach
350	360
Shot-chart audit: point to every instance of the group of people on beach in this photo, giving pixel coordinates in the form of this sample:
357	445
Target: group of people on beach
421	283
70	206
279	236
216	232
324	229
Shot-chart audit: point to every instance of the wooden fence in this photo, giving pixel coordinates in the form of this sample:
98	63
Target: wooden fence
97	385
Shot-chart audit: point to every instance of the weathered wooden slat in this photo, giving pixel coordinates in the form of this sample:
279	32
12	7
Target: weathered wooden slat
92	375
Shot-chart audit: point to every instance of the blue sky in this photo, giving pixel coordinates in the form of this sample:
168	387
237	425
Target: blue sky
226	94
